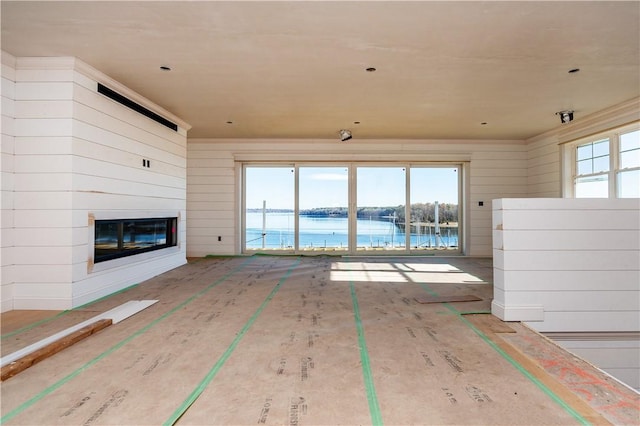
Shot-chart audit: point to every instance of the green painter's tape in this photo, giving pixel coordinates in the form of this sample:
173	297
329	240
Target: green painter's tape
225	356
374	407
114	348
512	361
59	314
35	324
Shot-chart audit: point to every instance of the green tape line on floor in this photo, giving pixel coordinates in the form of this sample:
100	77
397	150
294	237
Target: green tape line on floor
512	361
372	398
60	314
225	356
77	372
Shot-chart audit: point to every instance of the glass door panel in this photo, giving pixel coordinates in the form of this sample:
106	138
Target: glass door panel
269	220
323	213
434	208
380	207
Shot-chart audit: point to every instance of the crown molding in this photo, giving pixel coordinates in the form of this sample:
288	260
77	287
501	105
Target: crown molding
401	143
8	59
608	118
45	63
614	116
347	157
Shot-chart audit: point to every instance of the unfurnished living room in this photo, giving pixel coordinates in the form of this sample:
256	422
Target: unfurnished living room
320	213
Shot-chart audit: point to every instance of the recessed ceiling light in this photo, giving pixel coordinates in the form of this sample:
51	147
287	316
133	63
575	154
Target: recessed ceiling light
165	68
229	122
484	123
574	70
356	122
370	69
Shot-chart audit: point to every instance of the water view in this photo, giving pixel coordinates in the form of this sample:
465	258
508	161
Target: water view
332	232
378	194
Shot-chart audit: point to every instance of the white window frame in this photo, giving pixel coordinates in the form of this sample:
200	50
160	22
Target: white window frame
570	155
463	214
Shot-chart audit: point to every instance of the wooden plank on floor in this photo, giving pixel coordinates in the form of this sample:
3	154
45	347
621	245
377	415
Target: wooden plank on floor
558	389
52	348
117	314
447	299
488	323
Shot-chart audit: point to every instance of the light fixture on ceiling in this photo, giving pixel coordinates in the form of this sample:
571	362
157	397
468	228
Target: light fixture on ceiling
165	68
565	116
345	135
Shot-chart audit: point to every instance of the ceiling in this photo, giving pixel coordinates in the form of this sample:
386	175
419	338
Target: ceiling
297	69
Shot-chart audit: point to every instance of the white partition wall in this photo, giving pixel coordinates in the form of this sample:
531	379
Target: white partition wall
570	268
567	264
77	158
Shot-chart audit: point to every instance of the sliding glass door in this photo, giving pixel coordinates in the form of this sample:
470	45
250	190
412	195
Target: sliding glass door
434	215
381	199
351	208
323	212
269	222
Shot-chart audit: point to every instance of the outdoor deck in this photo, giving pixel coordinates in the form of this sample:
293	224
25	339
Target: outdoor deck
307	340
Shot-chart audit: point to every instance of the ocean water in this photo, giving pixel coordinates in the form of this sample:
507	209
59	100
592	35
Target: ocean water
332	232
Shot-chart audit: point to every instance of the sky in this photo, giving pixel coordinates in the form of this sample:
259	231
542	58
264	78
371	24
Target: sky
328	186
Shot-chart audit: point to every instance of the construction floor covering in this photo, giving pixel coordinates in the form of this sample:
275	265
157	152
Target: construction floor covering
307	341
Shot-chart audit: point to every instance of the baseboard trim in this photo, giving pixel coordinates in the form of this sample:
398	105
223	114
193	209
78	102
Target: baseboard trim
518	312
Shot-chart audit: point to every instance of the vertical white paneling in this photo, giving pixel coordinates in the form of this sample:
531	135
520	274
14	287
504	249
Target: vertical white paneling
496	168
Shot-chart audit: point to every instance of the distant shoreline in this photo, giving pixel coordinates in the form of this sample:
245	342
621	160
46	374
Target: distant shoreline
373	213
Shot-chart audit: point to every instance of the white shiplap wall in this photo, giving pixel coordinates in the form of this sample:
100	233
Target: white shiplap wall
544	152
78	155
44	239
571	267
619	356
110	141
568	265
495	169
543	167
7	92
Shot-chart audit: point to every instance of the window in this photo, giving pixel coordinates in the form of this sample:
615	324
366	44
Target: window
592	180
607	165
116	238
629	172
350	207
